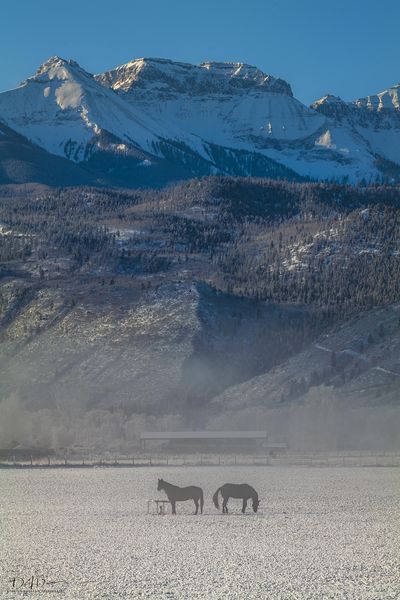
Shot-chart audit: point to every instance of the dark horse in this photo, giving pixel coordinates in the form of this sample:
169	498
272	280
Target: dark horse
178	494
236	490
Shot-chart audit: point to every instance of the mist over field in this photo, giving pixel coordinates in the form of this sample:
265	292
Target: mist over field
313	427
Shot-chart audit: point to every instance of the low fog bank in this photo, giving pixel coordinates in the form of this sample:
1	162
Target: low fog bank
318	424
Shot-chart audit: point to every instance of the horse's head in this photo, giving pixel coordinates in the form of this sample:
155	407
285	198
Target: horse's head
256	503
160	484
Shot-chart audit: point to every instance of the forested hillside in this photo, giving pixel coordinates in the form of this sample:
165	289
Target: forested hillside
149	304
328	246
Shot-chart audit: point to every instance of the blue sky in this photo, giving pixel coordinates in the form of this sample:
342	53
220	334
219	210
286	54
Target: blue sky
345	47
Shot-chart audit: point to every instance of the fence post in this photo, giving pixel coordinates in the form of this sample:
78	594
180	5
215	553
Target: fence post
31	460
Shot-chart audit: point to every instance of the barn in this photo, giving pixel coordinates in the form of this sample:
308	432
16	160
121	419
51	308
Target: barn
211	441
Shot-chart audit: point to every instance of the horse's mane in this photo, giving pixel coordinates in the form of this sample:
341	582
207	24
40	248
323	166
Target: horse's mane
170	485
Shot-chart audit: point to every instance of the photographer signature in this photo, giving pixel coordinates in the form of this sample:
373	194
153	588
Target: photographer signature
38	583
35	583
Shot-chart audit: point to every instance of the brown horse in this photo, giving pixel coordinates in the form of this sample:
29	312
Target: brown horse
178	494
236	490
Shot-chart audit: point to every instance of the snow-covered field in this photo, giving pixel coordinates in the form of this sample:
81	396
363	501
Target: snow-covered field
319	534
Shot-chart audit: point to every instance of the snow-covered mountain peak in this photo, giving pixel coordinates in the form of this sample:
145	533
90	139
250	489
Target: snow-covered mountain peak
328	99
145	73
332	106
167	76
63	109
230	104
59	69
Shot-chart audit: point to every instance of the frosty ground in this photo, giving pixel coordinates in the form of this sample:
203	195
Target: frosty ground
319	534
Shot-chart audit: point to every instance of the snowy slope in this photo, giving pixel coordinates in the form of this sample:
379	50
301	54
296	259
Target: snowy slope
336	153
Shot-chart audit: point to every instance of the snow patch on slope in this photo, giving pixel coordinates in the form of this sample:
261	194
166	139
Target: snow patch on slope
385	142
69	95
325	140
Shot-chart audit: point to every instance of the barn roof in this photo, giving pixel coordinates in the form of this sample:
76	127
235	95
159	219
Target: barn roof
203	435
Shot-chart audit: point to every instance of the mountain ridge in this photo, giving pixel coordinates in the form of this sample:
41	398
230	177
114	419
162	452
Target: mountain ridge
200	119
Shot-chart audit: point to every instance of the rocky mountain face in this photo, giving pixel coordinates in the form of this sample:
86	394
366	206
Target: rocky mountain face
155	120
169	77
383	107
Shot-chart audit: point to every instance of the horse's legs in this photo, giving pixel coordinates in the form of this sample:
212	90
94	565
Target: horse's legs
197	506
244	505
173	507
224	504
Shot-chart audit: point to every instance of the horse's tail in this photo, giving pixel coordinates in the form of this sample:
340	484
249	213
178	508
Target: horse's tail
201	501
215	497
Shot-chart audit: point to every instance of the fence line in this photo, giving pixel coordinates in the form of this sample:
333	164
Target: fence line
351	459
